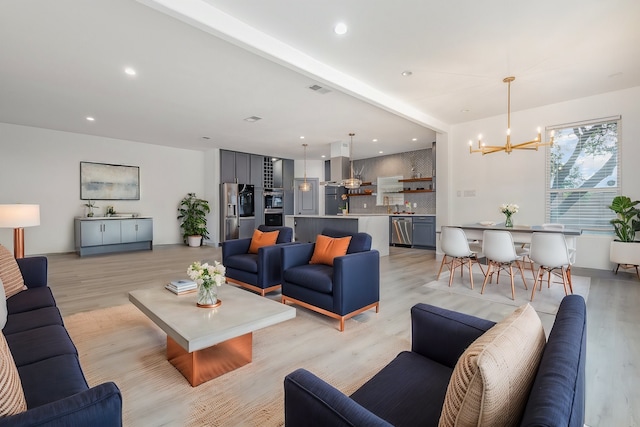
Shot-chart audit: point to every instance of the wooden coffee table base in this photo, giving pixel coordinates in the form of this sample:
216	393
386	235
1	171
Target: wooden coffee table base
209	363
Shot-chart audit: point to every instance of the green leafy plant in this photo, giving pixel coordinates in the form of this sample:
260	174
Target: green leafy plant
628	220
193	216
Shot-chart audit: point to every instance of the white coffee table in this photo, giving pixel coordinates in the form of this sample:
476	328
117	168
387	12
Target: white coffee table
204	343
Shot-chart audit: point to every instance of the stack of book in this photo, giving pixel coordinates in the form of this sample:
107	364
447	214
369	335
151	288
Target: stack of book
181	286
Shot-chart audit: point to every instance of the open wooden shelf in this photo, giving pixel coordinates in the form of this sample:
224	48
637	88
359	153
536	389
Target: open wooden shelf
359	194
416	191
415	179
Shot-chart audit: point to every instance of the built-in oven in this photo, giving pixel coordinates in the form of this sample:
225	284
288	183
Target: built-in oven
273	206
273	218
273	198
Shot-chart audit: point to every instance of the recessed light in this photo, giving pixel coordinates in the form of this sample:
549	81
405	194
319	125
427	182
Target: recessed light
206	137
130	71
414	139
380	152
323	156
340	28
406	73
91	119
374	140
252	119
302	137
465	110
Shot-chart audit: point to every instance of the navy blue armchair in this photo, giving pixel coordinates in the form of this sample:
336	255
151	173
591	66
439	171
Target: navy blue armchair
341	291
259	272
411	389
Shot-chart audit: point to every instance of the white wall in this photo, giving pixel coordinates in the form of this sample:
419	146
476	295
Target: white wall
520	177
43	167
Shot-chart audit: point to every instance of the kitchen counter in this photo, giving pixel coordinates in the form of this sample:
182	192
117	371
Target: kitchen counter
307	227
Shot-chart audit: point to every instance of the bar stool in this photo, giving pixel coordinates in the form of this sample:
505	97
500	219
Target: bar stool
498	249
455	246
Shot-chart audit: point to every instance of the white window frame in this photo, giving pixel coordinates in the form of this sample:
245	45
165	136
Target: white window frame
599	211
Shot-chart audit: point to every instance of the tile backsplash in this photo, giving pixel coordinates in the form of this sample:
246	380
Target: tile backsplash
406	165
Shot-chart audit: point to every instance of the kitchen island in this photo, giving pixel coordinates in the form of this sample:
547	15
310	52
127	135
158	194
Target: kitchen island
307	227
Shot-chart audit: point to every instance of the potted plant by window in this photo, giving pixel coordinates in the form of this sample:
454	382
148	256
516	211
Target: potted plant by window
624	249
193	219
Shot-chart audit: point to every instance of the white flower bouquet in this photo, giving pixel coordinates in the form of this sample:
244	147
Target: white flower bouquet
509	208
206	274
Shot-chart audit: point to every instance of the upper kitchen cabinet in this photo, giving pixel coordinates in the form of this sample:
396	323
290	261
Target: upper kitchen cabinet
257	171
235	167
287	174
283	174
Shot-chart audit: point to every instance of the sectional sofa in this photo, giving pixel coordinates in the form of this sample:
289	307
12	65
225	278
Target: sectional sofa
47	362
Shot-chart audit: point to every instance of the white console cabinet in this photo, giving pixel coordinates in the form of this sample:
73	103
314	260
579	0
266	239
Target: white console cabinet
100	235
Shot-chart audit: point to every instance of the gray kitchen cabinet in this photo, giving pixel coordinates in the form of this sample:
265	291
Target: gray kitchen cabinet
287	174
235	167
277	173
247	225
258	205
100	236
136	230
227	166
243	168
257	170
424	231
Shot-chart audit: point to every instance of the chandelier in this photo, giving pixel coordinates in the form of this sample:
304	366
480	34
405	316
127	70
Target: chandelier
352	182
305	186
508	147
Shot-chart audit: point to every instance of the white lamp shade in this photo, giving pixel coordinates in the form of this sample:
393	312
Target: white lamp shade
18	216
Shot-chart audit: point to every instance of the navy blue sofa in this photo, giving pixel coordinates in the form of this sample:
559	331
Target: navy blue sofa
259	272
410	390
349	287
52	380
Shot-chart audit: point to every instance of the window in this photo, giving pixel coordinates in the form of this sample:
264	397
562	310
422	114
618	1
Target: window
583	174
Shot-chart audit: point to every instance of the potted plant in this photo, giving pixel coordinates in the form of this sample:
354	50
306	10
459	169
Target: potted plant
90	206
624	249
193	219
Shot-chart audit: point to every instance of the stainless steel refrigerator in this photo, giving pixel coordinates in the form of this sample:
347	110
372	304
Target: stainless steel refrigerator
236	201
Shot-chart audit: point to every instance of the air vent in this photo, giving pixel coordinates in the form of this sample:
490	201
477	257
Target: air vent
252	119
319	89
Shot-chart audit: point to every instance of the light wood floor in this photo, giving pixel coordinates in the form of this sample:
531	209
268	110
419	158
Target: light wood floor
613	372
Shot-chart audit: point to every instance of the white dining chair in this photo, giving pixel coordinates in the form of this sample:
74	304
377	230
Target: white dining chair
549	251
454	244
498	249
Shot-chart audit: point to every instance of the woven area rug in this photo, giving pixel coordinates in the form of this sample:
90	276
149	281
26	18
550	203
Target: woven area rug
546	301
121	344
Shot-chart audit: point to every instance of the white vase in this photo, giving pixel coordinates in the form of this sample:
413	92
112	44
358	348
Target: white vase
194	241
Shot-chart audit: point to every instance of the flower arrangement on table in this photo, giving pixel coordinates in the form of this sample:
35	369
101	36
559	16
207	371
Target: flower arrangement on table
509	209
208	278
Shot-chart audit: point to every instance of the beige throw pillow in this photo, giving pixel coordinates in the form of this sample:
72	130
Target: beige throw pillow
3	307
12	399
490	383
10	273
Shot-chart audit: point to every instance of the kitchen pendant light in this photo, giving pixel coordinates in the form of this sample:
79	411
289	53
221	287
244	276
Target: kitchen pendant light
351	183
305	186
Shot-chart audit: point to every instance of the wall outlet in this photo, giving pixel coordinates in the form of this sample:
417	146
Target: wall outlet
365	206
415	205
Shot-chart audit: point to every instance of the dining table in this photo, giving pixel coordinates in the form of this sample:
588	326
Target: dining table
520	233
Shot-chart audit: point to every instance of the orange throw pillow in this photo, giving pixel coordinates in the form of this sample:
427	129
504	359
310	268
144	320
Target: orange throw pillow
327	248
261	239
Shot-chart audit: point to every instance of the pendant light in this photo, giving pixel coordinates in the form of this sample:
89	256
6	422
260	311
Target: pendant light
305	186
351	183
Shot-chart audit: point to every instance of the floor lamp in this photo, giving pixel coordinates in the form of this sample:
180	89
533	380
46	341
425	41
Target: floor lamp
17	217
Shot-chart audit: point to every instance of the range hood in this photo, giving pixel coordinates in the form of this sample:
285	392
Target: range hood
340	170
340	164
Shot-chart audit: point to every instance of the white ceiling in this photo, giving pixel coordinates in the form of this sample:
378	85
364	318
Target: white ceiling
205	65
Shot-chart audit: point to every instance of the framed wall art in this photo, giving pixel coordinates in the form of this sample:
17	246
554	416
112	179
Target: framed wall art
102	181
